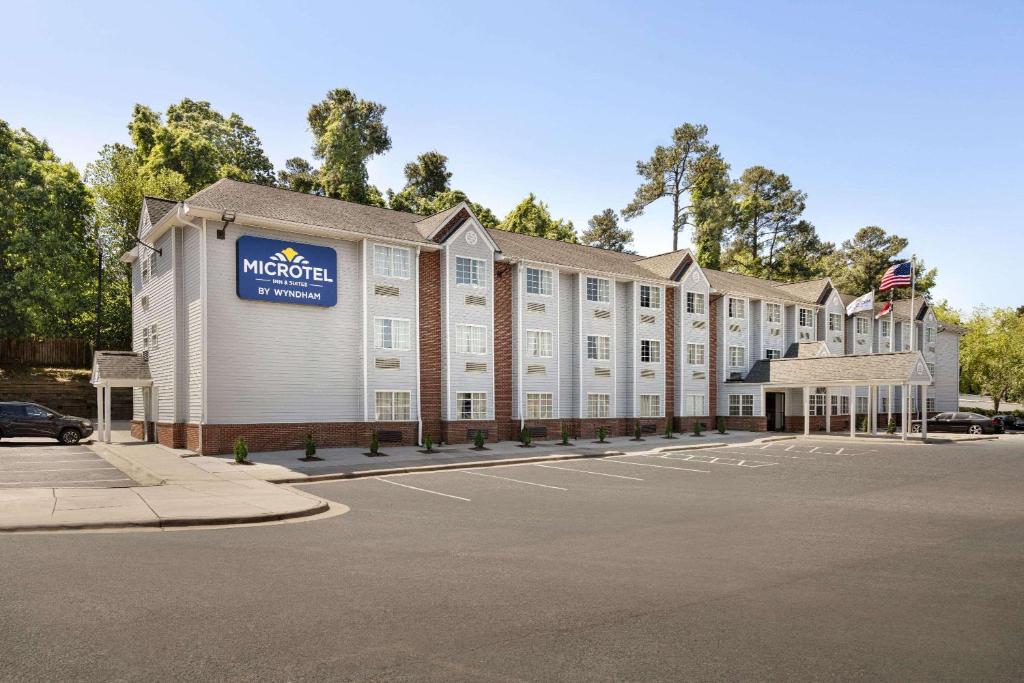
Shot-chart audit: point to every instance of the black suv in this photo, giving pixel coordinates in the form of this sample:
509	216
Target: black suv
18	418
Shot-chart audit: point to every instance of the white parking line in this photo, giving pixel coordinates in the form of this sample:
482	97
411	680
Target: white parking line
839	452
714	460
68	469
518	481
58	484
50	462
647	464
416	488
600	474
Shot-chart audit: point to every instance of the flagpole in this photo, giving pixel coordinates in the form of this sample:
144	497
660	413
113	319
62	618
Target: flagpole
913	322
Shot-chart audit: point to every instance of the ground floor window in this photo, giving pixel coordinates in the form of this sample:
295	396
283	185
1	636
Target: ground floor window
539	406
772	354
393	405
650	405
862	405
840	405
694	404
929	405
741	404
818	403
884	404
471	405
597	405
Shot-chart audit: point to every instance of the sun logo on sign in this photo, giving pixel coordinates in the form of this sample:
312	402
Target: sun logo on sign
288	255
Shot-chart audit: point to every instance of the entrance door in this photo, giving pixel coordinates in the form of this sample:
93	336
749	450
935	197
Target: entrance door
775	410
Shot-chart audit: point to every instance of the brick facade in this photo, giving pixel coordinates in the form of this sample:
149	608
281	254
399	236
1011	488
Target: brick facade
503	350
714	306
219	438
431	388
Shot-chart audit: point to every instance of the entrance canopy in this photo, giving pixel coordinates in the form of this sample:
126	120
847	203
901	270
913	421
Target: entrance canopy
112	369
875	369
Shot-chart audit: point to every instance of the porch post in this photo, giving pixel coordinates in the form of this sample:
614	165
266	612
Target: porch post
828	410
807	411
904	410
924	411
99	411
888	406
873	402
853	411
106	411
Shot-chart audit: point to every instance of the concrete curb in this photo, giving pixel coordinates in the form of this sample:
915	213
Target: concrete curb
231	520
473	464
141	475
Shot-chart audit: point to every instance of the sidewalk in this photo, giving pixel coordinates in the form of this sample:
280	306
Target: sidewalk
174	493
286	467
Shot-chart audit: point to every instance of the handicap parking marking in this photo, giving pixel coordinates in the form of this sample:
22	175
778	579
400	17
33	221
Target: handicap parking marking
573	469
518	481
417	488
712	460
648	464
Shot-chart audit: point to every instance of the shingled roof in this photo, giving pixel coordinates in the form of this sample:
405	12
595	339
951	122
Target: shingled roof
530	248
157	208
808	290
120	368
754	287
872	368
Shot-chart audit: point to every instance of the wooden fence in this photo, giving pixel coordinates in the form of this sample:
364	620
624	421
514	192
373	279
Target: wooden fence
53	353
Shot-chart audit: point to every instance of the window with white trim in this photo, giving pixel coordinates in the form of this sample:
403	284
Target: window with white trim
694	405
695	303
840	404
538	281
929	404
146	267
884	330
650	405
695	354
539	406
883	404
471	339
471	405
650	351
150	338
835	322
862	405
597	405
598	289
598	347
741	404
650	296
737	308
393	405
539	343
391	333
737	356
772	354
931	369
818	403
773	313
806	317
861	326
469	271
391	261
929	335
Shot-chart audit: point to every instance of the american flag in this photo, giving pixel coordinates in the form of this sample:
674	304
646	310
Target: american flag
896	276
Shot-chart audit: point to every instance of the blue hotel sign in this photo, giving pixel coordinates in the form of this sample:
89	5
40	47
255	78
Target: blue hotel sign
289	272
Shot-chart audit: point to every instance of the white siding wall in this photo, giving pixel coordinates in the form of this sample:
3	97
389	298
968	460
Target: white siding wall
835	340
773	335
162	293
626	351
589	324
734	332
568	345
693	328
545	320
859	343
652	331
947	371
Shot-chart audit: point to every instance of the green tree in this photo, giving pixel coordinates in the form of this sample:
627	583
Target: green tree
804	254
532	217
449	198
992	354
712	209
603	231
301	176
859	263
673	172
427	190
47	242
348	132
428	175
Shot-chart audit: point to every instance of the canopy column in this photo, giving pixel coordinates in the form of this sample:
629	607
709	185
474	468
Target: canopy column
828	410
904	411
99	411
853	411
924	411
807	411
106	413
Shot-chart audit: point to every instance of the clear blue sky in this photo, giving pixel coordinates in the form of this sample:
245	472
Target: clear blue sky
906	115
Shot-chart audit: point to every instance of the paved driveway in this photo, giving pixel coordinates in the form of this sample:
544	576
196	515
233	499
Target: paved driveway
45	463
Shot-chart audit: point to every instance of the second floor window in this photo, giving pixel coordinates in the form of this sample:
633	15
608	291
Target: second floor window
806	317
598	289
469	271
390	261
773	313
737	308
539	343
598	347
650	297
695	303
391	333
737	356
470	339
929	335
695	354
835	322
146	267
862	325
650	351
538	281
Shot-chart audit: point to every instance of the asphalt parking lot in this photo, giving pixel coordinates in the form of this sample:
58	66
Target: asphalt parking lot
26	463
798	561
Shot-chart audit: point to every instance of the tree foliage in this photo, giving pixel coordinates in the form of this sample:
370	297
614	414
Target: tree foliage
348	132
992	355
300	176
713	210
47	241
859	264
532	217
673	171
604	231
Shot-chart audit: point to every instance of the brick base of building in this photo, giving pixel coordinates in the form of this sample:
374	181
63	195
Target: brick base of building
746	423
220	438
138	430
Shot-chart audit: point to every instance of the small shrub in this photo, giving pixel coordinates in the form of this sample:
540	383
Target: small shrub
721	424
565	435
668	428
478	438
524	437
428	443
637	432
241	450
698	427
864	425
891	427
310	445
602	433
374	444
